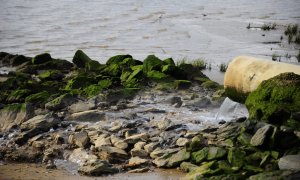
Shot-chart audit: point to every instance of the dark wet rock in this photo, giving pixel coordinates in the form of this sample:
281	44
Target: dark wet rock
201	102
182	84
41	58
24	154
261	136
81	156
87	116
289	162
112	154
80	59
60	102
97	168
14	114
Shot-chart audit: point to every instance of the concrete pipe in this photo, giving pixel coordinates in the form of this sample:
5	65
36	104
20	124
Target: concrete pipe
244	74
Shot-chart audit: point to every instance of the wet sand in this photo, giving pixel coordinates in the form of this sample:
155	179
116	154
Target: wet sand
21	171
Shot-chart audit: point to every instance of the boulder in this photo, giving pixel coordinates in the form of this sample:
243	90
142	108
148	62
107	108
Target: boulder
152	63
289	162
177	158
236	157
14	114
275	99
87	116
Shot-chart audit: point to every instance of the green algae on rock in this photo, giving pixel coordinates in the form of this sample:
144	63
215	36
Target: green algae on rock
275	99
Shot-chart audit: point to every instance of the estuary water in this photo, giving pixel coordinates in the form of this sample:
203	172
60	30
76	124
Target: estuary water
214	30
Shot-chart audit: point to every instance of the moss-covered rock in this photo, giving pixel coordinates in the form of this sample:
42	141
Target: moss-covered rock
38	98
182	84
152	63
200	156
18	95
275	99
156	75
216	153
169	61
41	58
60	102
211	85
51	75
95	89
119	59
80	59
236	157
79	82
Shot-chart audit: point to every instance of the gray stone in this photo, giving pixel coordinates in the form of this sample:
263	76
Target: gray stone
289	162
260	136
97	168
87	116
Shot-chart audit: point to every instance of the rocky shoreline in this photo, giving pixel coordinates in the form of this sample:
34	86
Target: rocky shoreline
134	116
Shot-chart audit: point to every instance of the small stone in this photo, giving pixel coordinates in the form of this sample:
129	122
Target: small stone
163	124
289	162
187	166
81	156
102	140
137	137
260	136
112	154
158	152
136	161
81	139
38	144
139	152
139	145
182	141
97	168
150	147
